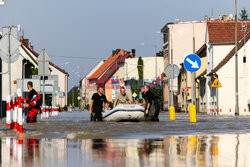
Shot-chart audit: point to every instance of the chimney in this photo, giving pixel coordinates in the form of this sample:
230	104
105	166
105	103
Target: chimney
113	52
32	47
21	39
133	53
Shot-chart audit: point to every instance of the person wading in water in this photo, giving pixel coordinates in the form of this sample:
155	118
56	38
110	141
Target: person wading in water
152	108
96	104
32	102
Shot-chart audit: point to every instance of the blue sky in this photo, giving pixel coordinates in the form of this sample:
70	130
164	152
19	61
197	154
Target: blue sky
93	28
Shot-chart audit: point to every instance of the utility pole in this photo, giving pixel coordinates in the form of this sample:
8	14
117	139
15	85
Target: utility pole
9	64
236	64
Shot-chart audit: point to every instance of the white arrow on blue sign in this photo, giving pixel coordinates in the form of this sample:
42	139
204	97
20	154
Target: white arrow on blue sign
192	63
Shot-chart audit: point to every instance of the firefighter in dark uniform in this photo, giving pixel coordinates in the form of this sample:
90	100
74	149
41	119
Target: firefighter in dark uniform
96	105
32	102
152	108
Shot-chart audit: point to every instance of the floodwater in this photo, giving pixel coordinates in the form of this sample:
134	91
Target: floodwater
72	140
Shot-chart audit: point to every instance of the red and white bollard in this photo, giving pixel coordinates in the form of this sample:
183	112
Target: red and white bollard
20	112
70	108
8	114
47	112
57	111
15	112
11	111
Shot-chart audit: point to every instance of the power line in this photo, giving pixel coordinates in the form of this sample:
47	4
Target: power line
78	57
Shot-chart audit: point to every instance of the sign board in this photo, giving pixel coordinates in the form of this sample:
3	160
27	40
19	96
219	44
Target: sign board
43	62
134	95
172	71
23	84
192	63
9	40
216	83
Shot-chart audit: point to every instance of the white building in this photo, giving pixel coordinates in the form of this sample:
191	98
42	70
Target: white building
153	67
21	69
87	89
221	63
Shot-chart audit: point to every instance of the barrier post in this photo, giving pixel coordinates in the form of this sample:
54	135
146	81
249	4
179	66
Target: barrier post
15	112
11	112
20	111
47	112
172	113
192	113
8	123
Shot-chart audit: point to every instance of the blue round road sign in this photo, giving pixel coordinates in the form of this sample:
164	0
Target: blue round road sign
192	63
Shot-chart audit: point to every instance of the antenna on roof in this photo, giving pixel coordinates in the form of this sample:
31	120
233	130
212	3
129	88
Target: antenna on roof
212	12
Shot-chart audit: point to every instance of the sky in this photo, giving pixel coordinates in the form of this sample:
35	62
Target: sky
91	29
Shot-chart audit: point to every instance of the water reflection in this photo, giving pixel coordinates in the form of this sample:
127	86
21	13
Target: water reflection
201	150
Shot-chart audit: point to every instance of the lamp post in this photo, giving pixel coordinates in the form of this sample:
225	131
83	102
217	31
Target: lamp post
236	65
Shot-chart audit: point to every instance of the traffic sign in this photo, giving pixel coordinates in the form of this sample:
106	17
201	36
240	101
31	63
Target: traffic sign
134	95
9	42
172	71
192	63
216	83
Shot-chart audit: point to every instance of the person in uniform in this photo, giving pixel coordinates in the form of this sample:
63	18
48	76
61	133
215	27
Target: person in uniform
96	104
152	108
32	102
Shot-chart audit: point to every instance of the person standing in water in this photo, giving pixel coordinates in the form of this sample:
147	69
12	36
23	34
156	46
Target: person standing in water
32	102
152	108
122	97
96	104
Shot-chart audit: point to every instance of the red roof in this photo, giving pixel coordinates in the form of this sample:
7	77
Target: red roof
112	69
224	31
107	64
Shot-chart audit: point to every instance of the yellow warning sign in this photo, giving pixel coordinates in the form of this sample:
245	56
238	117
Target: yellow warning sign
216	83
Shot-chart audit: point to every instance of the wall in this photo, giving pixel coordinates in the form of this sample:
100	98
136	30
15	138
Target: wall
181	41
227	80
16	72
149	69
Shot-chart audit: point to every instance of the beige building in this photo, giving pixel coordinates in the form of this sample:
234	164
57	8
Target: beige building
180	40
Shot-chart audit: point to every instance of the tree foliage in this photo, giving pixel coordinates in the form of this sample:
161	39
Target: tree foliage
243	14
140	71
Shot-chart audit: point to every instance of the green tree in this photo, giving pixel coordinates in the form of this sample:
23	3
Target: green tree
243	14
140	71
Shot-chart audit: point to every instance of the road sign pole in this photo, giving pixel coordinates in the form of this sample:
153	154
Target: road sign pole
9	65
44	82
186	93
172	94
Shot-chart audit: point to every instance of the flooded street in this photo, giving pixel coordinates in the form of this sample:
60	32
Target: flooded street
76	125
72	140
195	150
